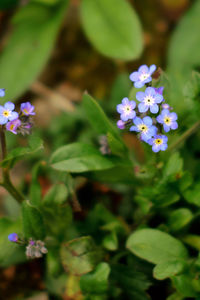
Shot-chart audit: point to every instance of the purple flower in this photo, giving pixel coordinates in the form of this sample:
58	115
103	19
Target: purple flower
168	120
145	127
120	124
7	113
149	100
2	92
142	76
13	125
159	90
166	106
126	109
13	237
27	109
158	142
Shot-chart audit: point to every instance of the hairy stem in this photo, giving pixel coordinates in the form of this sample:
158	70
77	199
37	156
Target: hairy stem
6	183
186	135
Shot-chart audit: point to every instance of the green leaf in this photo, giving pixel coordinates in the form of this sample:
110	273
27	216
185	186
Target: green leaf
179	51
10	253
78	157
29	46
96	282
80	256
184	284
110	242
35	188
113	28
35	144
46	2
33	225
97	117
168	269
156	246
173	166
179	218
116	147
57	194
192	240
193	195
132	282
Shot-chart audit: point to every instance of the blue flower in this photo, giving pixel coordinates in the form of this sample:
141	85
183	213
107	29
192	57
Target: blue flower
13	125
168	120
149	100
166	106
27	109
145	127
142	76
158	142
126	109
2	92
13	237
7	113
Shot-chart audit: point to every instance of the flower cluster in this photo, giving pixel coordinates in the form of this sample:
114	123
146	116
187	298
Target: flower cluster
16	122
150	127
34	249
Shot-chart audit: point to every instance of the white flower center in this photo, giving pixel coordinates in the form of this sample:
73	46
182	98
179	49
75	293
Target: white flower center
143	128
149	100
127	109
167	121
143	76
6	113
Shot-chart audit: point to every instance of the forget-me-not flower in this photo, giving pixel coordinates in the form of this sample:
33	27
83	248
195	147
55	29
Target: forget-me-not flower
120	124
142	76
149	100
145	127
159	90
13	125
13	237
7	113
27	109
126	109
158	142
168	120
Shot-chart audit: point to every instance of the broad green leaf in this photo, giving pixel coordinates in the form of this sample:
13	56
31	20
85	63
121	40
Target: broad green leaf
56	195
78	157
156	246
179	218
175	296
29	46
180	51
168	269
96	282
35	188
80	256
10	253
174	165
32	220
35	144
113	28
193	195
116	147
110	242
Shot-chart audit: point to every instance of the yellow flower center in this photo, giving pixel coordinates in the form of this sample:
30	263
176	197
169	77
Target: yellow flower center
6	113
167	120
158	141
25	110
143	128
148	100
11	127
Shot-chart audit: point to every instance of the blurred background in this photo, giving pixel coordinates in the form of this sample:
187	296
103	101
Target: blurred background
51	51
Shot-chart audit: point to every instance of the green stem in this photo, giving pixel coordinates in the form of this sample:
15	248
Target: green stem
7	184
186	135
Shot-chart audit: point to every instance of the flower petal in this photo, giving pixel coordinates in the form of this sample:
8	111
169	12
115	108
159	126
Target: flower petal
134	76
143	69
174	125
158	98
134	128
137	121
140	96
132	104
166	128
173	115
156	148
3	120
125	101
9	105
163	147
154	109
142	107
160	119
138	84
120	108
14	115
152	69
147	121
